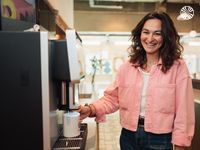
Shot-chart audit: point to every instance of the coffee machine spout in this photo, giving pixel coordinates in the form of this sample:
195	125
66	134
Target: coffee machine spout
74	95
69	95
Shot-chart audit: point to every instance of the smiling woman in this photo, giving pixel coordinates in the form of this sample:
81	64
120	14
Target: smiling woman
149	90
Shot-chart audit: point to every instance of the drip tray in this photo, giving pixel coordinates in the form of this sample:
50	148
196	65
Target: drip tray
73	143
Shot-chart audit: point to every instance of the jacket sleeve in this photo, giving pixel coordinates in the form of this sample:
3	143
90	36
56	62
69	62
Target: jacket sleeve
109	103
184	122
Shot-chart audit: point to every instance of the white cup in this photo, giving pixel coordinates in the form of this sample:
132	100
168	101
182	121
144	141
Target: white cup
71	126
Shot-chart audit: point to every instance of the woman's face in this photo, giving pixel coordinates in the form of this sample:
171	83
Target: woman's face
151	38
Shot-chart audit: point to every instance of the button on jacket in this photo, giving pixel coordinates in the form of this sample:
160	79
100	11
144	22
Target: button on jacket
169	102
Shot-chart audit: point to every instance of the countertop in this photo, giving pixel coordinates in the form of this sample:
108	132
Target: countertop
196	95
196	83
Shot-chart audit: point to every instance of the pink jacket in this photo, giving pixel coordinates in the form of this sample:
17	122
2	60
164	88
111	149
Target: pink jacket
169	104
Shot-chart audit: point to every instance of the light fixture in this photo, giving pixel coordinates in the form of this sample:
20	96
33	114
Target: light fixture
122	42
193	33
194	43
91	42
93	5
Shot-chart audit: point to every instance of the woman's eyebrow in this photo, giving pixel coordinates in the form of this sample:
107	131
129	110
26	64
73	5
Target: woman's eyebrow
144	29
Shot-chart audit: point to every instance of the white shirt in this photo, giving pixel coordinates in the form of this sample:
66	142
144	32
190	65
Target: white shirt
145	76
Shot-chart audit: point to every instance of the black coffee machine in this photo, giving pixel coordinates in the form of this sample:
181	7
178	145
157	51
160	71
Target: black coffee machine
39	77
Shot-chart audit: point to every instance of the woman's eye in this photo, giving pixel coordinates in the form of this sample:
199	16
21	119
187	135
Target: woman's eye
145	32
157	33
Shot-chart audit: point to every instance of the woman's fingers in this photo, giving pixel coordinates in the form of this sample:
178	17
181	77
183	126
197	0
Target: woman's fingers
84	112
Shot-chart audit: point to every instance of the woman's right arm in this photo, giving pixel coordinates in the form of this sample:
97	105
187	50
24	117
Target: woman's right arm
107	104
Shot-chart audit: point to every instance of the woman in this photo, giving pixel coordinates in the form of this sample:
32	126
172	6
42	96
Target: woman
152	90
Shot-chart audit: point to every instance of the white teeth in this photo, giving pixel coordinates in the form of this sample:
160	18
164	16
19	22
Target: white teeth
151	44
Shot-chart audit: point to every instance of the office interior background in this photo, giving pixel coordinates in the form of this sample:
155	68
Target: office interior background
104	27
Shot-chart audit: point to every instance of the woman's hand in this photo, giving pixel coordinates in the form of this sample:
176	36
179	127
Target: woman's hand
84	111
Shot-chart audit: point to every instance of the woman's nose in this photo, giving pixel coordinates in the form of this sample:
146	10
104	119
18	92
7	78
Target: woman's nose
150	37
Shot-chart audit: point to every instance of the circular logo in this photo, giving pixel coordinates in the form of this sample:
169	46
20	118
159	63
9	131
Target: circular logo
187	12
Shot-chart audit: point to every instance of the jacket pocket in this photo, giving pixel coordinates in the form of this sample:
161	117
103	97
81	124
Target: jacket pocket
164	98
126	96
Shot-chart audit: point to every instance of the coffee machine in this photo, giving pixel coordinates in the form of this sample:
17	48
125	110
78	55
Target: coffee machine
40	77
65	79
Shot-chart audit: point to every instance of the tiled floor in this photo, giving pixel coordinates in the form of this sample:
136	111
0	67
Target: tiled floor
109	133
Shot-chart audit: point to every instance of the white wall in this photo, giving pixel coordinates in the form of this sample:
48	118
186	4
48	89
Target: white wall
66	10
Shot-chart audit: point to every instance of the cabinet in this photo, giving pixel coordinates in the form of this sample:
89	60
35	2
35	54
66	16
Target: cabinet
49	18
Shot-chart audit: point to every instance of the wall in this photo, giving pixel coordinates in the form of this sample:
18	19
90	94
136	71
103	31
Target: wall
86	19
66	10
105	21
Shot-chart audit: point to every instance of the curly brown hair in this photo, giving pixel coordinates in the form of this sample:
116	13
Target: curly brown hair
171	48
